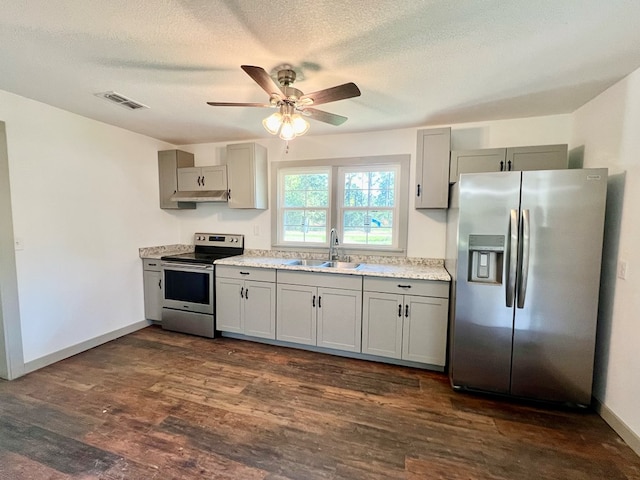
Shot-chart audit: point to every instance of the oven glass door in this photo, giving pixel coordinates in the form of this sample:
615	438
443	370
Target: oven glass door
188	288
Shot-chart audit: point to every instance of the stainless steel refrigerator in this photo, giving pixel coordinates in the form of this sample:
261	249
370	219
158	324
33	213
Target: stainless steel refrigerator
524	250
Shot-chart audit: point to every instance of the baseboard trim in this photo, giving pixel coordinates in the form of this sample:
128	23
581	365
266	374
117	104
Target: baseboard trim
54	357
629	436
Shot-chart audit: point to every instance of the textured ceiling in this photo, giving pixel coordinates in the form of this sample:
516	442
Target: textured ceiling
416	62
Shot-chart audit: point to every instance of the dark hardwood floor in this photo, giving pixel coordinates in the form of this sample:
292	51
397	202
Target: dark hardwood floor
161	405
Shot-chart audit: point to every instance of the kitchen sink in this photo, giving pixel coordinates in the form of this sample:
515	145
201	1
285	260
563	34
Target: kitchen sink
341	265
309	262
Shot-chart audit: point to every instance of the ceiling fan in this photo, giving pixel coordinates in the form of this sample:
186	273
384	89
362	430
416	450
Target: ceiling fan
291	102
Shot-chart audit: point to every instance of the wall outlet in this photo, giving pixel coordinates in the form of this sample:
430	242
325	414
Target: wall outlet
19	244
622	269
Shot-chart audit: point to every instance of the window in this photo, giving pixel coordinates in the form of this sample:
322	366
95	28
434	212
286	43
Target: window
304	205
365	199
368	205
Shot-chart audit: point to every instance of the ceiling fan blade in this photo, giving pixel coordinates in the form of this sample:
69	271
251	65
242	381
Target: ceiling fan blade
325	117
232	104
346	90
262	78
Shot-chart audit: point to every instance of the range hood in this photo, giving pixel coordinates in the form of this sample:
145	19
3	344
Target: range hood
200	196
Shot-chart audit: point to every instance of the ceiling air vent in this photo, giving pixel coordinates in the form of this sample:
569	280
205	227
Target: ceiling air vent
121	100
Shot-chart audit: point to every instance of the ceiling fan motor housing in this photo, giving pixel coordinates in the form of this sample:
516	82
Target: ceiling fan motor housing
286	77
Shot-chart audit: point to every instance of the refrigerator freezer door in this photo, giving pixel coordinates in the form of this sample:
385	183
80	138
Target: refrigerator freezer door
483	324
554	331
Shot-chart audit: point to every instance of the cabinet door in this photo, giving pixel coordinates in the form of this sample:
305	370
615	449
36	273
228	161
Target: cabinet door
260	309
477	161
152	295
229	304
382	320
247	175
432	168
340	319
542	157
425	330
189	179
168	163
214	177
296	317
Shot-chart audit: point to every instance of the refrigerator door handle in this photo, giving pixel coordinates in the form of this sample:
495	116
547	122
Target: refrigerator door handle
523	270
512	257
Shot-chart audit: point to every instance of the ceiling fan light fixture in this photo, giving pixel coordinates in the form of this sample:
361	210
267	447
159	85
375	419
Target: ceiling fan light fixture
272	123
300	125
287	131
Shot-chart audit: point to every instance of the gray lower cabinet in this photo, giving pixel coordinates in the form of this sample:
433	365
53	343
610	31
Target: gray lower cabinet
539	157
320	309
246	301
152	280
405	326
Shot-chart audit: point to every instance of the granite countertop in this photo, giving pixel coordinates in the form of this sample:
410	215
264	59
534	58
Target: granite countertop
162	250
431	271
373	266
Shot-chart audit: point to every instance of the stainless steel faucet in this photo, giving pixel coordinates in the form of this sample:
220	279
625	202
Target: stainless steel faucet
333	245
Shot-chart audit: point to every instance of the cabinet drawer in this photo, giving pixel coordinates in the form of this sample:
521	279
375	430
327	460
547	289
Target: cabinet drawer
329	280
426	288
246	273
151	264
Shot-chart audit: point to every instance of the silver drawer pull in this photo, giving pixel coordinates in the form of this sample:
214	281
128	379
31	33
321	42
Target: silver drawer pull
404	286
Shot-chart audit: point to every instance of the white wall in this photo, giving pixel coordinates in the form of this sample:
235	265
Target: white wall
607	129
426	227
85	198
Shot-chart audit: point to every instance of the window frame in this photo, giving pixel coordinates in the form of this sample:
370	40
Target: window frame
281	209
340	206
333	221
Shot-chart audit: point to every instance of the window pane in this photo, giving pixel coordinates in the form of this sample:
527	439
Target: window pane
368	227
364	189
304	225
293	217
306	190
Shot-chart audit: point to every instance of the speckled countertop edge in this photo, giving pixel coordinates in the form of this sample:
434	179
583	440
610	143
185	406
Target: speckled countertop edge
417	272
157	252
374	266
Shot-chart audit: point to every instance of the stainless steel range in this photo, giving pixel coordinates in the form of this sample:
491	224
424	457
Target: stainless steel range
188	305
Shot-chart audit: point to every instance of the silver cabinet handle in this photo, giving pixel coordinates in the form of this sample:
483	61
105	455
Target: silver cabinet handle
512	257
523	270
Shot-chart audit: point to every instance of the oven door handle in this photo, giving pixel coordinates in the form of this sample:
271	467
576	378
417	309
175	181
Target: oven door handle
186	266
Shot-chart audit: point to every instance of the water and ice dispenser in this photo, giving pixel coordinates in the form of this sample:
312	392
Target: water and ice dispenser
486	256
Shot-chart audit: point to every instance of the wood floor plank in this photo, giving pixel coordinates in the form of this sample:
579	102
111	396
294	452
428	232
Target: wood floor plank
163	405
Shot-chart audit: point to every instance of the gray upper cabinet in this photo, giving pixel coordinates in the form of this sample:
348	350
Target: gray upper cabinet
539	157
168	163
192	179
432	168
543	157
247	176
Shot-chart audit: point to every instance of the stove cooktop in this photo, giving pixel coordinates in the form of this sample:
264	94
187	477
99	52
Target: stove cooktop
210	247
195	257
